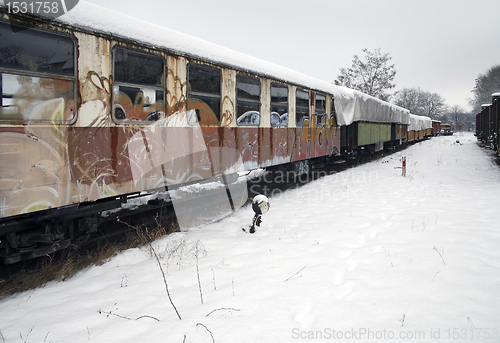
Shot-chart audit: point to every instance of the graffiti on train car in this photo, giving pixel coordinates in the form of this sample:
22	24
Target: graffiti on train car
95	92
37	98
75	164
227	116
140	126
28	98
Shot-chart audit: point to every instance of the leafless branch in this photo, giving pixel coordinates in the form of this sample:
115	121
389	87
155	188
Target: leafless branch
152	249
439	254
164	280
210	332
223	309
198	273
296	273
109	313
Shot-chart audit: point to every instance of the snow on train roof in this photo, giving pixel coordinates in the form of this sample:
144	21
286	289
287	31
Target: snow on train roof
357	106
418	123
350	105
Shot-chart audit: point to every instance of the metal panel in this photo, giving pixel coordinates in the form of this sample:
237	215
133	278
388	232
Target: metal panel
364	134
371	133
385	132
374	133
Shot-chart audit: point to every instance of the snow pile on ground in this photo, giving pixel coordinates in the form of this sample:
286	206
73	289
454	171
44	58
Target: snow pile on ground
363	255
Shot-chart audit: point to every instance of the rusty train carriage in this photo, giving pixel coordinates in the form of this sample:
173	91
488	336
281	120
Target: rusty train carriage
89	119
101	117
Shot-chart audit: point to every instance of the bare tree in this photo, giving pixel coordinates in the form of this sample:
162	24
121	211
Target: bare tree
410	98
420	102
372	76
11	54
434	105
486	84
455	112
460	119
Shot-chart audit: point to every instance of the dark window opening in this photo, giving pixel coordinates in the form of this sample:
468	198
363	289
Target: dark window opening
138	68
320	105
204	93
248	100
138	93
36	51
37	83
333	114
301	106
279	105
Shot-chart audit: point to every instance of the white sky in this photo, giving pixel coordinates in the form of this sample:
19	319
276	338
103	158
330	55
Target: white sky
438	45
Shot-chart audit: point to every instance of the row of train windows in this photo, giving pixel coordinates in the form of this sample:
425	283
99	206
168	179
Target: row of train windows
204	87
38	77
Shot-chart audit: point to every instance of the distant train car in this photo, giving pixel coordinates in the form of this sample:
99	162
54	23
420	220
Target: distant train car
446	130
488	123
436	128
98	107
420	128
369	124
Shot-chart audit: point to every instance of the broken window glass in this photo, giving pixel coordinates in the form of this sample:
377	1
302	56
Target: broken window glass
138	94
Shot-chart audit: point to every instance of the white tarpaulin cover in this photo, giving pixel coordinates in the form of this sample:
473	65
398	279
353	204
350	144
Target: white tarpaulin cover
352	106
418	123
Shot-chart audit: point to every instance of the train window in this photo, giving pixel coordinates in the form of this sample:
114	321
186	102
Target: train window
279	105
138	92
37	76
301	106
247	100
333	114
320	104
204	93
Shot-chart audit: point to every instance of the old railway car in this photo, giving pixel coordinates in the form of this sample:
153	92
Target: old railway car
488	123
436	128
368	124
420	128
98	107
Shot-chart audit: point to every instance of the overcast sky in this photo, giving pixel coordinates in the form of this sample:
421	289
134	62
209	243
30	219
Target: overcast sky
438	45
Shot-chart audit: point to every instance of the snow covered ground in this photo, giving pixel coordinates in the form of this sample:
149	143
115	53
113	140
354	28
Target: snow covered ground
364	255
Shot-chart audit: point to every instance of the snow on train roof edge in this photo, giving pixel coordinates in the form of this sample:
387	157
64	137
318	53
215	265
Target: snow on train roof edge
350	105
96	18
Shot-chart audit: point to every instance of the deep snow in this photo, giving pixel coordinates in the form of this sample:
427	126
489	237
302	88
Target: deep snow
365	252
